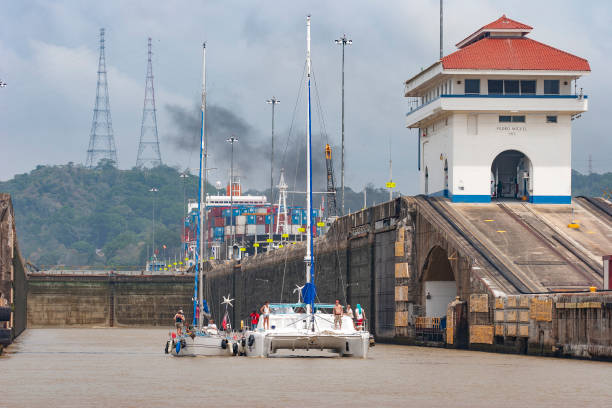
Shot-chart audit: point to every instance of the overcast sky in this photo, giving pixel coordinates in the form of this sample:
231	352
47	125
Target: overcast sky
49	56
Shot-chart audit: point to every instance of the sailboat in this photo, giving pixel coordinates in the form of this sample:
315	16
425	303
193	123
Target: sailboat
304	325
200	340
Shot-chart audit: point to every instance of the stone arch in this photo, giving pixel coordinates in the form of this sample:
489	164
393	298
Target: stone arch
438	282
511	175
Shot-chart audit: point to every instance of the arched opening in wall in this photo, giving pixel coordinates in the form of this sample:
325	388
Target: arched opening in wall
511	176
426	181
445	177
439	286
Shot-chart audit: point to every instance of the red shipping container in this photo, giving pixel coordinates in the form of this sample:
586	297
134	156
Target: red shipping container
260	219
219	222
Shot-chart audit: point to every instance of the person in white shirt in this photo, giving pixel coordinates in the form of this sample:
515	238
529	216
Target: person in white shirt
265	312
349	313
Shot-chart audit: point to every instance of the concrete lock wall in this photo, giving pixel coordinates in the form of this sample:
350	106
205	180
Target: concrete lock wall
382	258
13	284
65	301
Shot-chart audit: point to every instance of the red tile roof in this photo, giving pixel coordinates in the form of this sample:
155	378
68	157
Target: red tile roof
519	53
502	24
505	23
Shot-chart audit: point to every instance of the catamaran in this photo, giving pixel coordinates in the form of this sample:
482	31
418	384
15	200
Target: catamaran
304	325
202	340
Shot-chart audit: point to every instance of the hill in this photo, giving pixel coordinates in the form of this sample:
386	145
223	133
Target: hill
591	185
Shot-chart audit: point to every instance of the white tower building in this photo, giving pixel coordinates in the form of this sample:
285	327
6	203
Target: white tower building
494	118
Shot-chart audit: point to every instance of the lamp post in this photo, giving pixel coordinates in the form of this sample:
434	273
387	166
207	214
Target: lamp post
272	102
154	190
184	177
344	42
231	140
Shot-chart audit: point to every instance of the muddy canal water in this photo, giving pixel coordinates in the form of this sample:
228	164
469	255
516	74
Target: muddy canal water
127	367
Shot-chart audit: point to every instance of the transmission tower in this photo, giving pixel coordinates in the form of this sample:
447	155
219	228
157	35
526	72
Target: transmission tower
148	149
101	140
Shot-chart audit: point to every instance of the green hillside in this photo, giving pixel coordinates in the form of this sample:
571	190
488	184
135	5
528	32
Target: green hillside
591	185
76	216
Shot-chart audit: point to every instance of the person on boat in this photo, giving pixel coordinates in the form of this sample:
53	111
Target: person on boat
179	320
338	312
265	312
349	312
211	324
359	316
254	318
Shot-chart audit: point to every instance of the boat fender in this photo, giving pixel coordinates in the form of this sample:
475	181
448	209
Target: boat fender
183	343
178	347
224	344
167	349
243	342
251	340
235	348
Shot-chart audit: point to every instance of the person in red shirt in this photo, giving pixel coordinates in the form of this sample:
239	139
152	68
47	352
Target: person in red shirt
254	318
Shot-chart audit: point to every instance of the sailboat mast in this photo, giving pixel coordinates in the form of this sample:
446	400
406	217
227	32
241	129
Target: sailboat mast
202	204
308	257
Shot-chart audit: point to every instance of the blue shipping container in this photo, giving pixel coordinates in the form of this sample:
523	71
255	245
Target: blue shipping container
226	212
295	219
251	209
251	219
219	231
228	220
268	219
236	212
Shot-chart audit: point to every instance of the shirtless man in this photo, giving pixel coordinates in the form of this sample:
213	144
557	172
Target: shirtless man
179	320
338	312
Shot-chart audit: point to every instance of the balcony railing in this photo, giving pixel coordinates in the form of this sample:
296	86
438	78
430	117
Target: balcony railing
498	96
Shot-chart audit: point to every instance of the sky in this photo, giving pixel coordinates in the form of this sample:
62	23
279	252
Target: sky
256	50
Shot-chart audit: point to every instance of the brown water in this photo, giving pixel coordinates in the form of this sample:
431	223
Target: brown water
127	367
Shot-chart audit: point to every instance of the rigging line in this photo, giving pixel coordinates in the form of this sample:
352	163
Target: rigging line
336	232
323	126
297	100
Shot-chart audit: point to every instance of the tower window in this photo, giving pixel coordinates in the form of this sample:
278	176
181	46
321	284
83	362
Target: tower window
551	119
515	118
528	87
511	86
496	87
551	86
472	86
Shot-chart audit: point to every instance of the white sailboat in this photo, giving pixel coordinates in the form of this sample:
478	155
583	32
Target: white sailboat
201	340
304	325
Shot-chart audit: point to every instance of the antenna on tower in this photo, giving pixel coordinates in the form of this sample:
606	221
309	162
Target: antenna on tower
590	164
148	148
441	28
101	140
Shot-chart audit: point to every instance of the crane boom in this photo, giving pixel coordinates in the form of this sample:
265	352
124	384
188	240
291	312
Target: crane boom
331	184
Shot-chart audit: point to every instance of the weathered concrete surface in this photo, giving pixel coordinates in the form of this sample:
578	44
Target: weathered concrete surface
60	301
507	262
12	276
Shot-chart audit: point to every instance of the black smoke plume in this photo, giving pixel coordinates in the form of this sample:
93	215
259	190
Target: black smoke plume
251	152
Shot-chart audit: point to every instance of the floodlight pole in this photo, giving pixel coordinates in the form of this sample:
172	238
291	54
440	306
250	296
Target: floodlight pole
231	140
344	42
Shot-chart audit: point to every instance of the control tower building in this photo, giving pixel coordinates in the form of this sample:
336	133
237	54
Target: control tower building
494	118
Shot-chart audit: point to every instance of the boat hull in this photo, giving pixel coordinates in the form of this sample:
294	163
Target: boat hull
201	346
262	344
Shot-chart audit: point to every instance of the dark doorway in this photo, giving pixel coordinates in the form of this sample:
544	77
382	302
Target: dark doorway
511	176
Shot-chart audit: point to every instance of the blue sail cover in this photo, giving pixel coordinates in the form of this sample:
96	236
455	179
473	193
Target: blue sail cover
309	293
205	306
